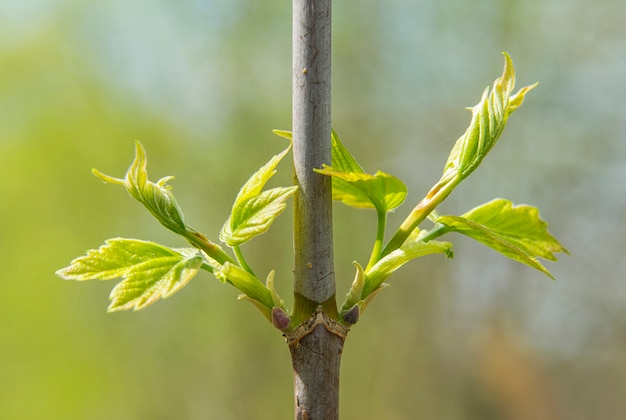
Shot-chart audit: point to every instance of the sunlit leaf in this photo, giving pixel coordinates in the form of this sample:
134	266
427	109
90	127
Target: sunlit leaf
270	285
251	286
254	185
489	118
411	249
149	271
159	200
355	188
380	191
156	197
355	294
255	210
515	231
341	158
284	134
255	215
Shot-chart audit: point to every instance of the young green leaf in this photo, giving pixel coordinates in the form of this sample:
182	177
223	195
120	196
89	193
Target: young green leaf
341	158
269	284
255	210
489	118
254	185
255	215
156	197
380	191
515	231
367	283
284	134
251	286
159	200
355	188
149	271
355	294
413	248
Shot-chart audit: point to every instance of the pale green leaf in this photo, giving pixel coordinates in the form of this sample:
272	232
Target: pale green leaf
355	294
156	197
355	188
515	231
255	215
357	297
250	285
411	249
380	191
149	271
341	159
284	134
521	224
159	200
257	181
269	284
489	118
255	210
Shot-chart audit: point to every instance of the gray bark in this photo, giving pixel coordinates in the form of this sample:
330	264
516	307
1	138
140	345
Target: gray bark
316	344
316	347
314	271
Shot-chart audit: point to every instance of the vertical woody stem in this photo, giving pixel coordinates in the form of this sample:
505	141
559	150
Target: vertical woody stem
314	272
317	342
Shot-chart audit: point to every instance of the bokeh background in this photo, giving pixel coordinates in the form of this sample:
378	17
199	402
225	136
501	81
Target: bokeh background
202	83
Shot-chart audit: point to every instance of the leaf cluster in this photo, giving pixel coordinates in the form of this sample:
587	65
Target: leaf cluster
150	271
516	232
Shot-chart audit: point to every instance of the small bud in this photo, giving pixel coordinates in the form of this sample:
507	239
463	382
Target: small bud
280	318
351	316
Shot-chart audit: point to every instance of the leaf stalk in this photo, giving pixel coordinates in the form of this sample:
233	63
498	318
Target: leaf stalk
421	211
242	261
380	237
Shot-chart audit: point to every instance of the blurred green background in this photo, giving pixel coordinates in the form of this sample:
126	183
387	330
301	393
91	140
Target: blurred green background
202	83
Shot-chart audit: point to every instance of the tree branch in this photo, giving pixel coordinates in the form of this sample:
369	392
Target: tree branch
317	341
314	270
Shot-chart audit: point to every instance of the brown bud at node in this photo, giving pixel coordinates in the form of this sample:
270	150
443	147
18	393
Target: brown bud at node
280	319
351	316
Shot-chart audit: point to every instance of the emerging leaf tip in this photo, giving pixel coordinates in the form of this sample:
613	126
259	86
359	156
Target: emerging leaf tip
284	134
106	178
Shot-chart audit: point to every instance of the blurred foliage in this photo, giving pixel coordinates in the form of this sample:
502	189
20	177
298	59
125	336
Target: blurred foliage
197	81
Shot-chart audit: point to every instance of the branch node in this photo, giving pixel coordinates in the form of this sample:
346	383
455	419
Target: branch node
307	327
